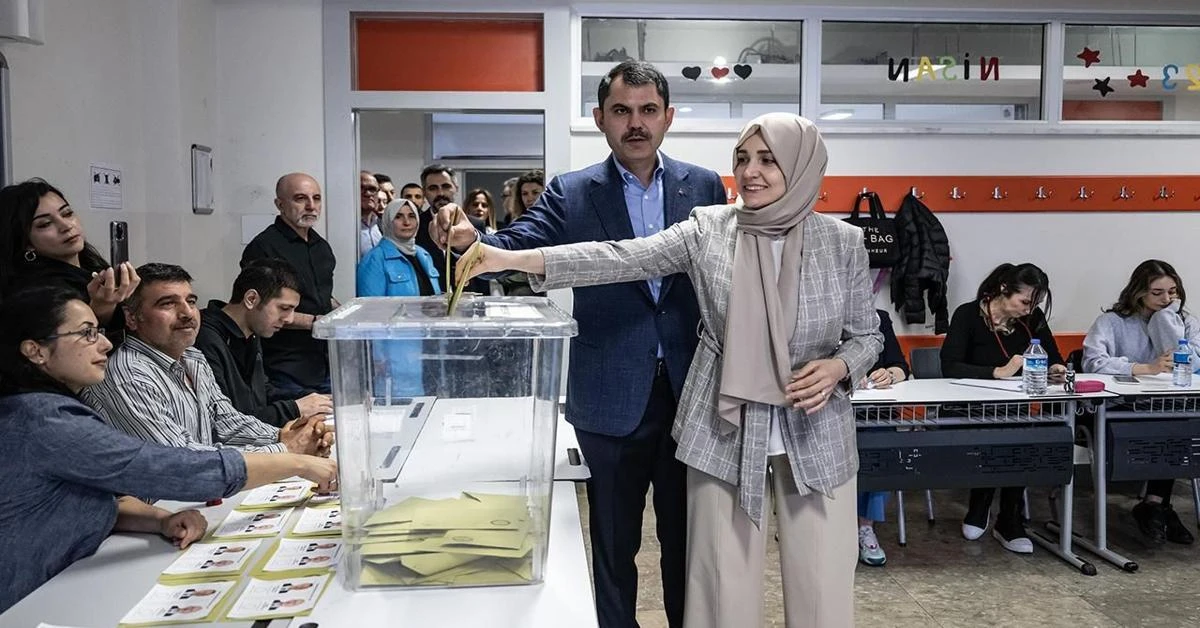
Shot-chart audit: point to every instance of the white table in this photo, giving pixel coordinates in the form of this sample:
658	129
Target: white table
919	403
1152	398
97	591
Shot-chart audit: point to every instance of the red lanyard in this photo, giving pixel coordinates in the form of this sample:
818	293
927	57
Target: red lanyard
997	335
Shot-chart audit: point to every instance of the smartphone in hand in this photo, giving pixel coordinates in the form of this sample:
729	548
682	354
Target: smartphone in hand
118	246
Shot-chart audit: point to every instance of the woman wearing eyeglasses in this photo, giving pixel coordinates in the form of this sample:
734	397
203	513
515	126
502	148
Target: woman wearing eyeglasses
68	475
42	243
987	340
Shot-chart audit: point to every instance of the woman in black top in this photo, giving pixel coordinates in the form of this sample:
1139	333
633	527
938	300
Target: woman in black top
42	244
987	340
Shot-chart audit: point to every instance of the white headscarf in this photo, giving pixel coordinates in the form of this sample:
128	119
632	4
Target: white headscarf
388	226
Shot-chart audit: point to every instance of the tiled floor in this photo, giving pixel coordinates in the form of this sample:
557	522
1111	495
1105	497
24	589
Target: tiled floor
940	579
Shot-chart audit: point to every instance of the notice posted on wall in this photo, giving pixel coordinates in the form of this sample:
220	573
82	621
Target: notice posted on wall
106	186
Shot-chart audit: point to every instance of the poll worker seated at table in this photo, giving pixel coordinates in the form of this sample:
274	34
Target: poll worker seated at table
987	340
264	300
160	388
69	475
890	368
1137	336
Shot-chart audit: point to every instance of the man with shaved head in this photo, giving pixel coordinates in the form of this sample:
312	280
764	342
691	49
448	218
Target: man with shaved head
296	363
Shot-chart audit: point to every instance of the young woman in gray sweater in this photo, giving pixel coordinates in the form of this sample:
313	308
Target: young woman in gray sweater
1137	336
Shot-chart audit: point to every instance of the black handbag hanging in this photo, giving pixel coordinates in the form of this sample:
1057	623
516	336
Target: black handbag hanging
879	231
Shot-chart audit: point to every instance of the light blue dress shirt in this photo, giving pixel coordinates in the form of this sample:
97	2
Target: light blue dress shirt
646	211
645	207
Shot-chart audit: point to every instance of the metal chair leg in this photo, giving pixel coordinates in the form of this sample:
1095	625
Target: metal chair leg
900	519
929	506
1196	498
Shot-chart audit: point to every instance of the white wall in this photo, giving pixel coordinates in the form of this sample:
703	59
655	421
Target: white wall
1088	256
126	82
269	111
393	142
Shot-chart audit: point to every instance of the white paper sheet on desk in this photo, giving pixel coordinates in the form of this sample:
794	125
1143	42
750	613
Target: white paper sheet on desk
1011	385
252	523
263	599
277	494
1007	385
873	394
195	602
212	559
303	554
319	521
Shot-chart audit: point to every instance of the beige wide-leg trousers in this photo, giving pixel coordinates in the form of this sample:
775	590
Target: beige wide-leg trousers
726	552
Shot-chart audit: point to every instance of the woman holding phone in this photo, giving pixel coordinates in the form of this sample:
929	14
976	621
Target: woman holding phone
1137	336
42	244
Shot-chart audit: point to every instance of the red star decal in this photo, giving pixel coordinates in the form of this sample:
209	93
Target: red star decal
1137	79
1089	56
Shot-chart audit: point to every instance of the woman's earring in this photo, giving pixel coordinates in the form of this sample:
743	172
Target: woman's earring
30	255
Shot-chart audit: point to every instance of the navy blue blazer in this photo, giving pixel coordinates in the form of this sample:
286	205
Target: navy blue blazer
612	360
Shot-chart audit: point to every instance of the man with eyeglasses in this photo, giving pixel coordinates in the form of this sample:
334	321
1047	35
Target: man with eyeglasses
369	212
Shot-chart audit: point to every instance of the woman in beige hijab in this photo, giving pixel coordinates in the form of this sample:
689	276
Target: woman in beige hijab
788	326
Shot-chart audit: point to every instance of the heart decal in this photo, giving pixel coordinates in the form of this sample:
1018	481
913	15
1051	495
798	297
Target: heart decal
743	71
691	72
720	72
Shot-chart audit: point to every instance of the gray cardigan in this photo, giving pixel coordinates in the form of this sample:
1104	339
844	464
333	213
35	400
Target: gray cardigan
836	319
1115	343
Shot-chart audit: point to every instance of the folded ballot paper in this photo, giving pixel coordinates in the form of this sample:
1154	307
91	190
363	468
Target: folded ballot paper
474	539
179	603
211	561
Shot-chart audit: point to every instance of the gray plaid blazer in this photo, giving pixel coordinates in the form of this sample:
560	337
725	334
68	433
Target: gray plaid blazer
836	319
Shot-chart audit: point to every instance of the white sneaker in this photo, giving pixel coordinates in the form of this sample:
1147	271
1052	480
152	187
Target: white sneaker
1019	545
972	532
869	550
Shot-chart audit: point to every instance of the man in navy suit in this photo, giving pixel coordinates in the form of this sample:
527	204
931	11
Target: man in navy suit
635	339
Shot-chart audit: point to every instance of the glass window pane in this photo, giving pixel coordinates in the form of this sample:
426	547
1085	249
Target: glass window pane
940	72
717	69
1131	73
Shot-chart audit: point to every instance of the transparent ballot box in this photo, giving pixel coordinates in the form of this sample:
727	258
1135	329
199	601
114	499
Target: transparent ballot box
445	437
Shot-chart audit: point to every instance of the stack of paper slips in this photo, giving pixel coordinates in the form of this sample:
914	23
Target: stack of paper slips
474	539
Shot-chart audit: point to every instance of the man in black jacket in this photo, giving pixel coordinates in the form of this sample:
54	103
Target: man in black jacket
265	296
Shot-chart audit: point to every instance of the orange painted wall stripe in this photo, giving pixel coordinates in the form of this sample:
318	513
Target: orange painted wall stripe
1017	193
437	54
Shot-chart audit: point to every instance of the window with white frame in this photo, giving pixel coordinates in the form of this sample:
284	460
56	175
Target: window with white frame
1148	73
931	71
717	69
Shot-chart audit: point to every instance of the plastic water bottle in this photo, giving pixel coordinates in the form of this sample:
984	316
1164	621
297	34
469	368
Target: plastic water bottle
1181	375
1034	371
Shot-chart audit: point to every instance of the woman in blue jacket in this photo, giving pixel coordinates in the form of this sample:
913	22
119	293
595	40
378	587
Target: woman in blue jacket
397	267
